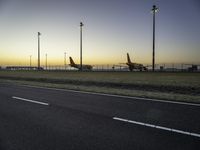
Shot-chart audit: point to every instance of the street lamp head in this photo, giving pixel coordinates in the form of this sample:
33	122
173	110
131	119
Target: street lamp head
154	9
81	24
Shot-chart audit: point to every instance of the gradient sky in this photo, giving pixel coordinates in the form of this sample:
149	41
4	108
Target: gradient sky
111	29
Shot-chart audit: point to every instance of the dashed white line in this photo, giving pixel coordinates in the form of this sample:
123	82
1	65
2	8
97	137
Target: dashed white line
29	100
157	127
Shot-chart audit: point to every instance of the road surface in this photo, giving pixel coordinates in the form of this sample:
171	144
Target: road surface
33	118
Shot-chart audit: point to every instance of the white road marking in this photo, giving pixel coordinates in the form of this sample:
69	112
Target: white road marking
119	96
157	127
29	100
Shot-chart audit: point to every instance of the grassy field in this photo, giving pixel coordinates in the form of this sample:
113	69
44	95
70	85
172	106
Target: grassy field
171	86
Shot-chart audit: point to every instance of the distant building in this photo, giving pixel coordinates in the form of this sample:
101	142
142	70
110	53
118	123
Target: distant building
193	68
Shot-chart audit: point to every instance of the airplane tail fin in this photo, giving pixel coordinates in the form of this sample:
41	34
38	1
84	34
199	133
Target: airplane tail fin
71	61
128	58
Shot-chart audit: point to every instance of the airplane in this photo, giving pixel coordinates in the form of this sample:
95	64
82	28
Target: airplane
136	66
84	67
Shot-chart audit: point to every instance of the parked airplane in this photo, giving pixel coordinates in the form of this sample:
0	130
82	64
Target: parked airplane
136	66
84	67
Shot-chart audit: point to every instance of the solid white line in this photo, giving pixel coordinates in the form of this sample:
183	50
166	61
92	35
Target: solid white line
118	96
157	127
29	100
163	128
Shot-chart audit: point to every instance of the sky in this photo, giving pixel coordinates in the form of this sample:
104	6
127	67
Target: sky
111	29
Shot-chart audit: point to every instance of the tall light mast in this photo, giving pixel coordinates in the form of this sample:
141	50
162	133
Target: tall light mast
65	63
154	10
81	25
39	50
46	61
30	61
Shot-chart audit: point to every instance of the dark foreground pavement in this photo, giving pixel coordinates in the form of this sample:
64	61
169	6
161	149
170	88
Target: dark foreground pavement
80	121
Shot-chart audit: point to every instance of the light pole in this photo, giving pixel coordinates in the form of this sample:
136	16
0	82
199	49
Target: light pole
154	10
81	25
39	50
30	60
46	61
65	64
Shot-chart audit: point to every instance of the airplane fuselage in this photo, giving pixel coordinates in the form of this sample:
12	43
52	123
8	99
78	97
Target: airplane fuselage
136	66
84	67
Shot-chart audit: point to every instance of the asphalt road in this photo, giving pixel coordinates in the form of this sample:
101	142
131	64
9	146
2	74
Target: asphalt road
47	119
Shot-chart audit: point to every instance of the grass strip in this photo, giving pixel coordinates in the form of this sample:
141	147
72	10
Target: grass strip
130	86
111	90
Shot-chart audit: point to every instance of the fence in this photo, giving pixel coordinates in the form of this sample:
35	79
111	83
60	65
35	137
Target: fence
165	67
